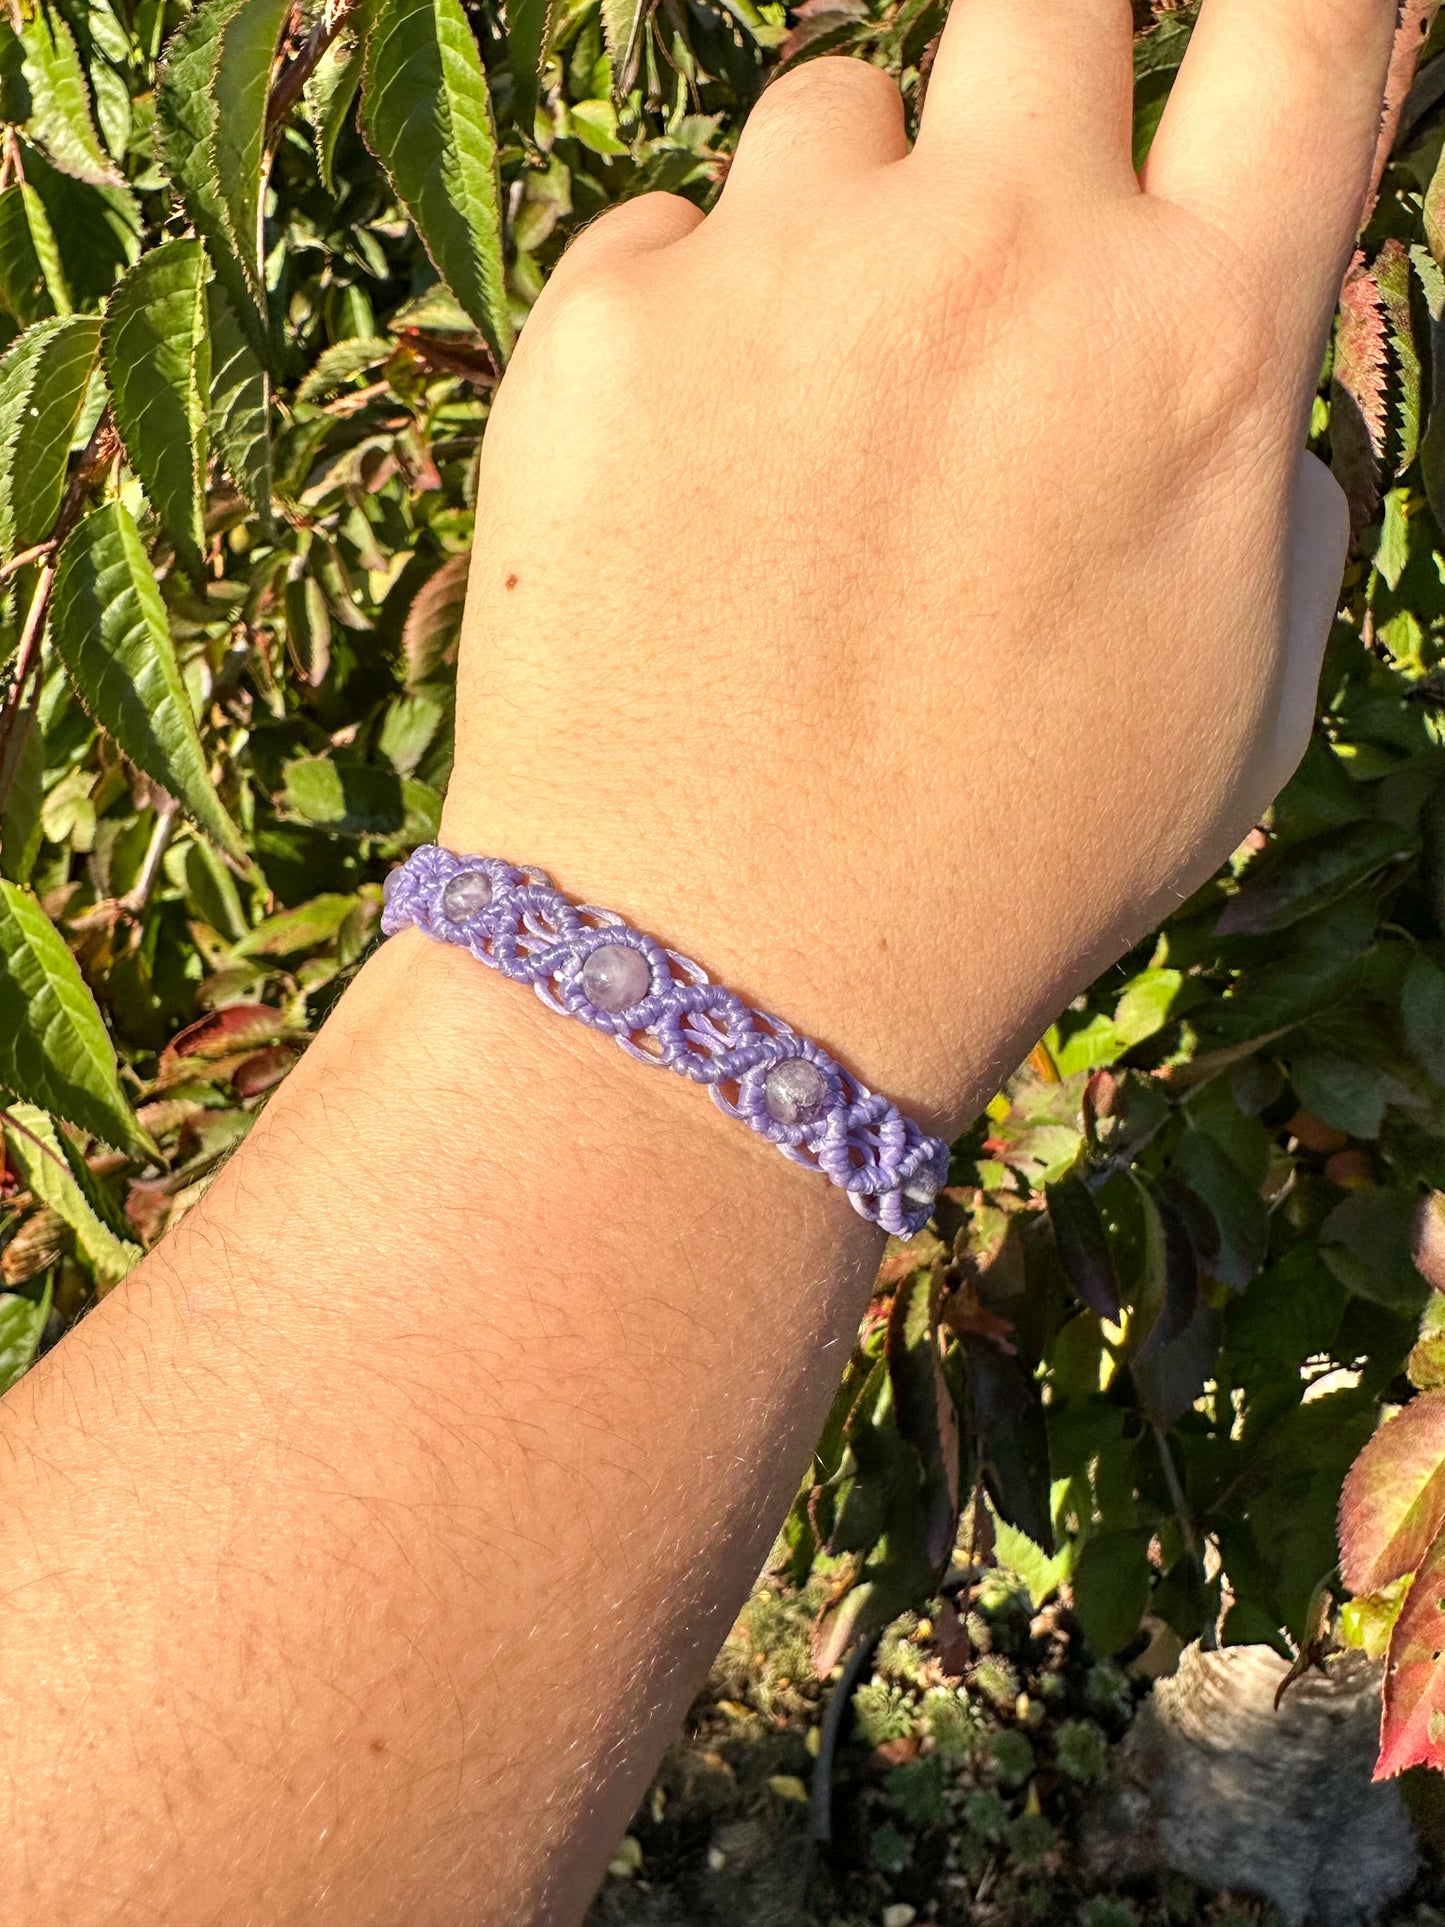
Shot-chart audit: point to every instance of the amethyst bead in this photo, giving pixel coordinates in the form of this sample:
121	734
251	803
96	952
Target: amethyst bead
615	977
795	1091
468	892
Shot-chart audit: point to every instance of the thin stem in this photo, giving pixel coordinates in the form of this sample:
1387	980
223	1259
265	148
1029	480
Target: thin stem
25	558
288	84
138	895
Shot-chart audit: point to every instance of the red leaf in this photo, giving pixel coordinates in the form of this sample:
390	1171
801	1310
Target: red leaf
1412	1731
1416	19
1359	414
433	625
237	1027
262	1069
1393	1503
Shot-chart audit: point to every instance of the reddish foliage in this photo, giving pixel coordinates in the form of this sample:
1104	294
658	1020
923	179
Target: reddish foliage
236	1027
1393	1502
1428	1245
1412	1732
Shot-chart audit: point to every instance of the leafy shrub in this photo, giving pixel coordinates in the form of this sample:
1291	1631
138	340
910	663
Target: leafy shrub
251	331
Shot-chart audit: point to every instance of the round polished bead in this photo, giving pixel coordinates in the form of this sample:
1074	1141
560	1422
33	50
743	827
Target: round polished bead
615	977
468	892
795	1091
920	1190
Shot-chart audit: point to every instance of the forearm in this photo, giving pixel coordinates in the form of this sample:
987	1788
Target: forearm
401	1498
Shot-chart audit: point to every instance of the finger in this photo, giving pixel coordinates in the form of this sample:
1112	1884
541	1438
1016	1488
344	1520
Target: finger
1319	550
1271	129
630	229
823	121
1036	82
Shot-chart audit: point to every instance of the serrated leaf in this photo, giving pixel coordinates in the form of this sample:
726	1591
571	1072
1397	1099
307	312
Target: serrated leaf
1358	395
108	624
56	1174
431	634
1083	1245
60	118
1111	1588
240	406
32	280
54	1048
1393	1503
188	122
22	1325
306	927
622	35
1412	1732
529	25
97	229
43	383
330	93
427	117
156	352
241	89
1392	278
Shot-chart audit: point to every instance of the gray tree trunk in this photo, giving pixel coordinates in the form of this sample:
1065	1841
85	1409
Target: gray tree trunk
1214	1784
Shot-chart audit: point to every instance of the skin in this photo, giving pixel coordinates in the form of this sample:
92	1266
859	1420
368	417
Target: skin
834	553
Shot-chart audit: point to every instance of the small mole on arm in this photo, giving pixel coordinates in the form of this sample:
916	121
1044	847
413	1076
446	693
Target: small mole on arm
378	1746
511	582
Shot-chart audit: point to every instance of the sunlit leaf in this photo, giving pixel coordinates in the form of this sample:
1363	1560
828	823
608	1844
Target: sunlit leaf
109	627
156	352
427	116
43	384
1393	1503
54	1048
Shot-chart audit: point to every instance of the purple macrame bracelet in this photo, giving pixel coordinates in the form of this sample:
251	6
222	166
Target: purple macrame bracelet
664	1009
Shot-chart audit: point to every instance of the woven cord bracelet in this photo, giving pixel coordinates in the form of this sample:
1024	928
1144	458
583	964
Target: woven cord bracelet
664	1009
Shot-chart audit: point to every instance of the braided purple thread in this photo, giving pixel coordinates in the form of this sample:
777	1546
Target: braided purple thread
527	930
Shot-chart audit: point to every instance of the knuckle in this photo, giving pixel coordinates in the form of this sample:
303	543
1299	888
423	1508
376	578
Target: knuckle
831	88
593	324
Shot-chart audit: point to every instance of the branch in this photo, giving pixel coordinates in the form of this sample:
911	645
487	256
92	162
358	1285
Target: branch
287	87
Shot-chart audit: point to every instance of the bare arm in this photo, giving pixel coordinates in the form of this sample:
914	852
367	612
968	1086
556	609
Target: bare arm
359	1553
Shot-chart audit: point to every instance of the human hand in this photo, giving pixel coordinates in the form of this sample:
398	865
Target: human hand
898	588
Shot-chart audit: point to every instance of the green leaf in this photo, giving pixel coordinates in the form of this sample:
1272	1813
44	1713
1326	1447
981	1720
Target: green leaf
307	927
330	93
60	118
22	1324
157	356
357	799
529	25
1368	1242
622	35
1146	1006
1312	875
109	627
97	229
1346	1092
32	280
1111	1588
54	1048
427	117
188	122
43	383
1392	277
59	1177
240	88
240	406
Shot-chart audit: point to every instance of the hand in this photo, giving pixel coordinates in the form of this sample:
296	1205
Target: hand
899	587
